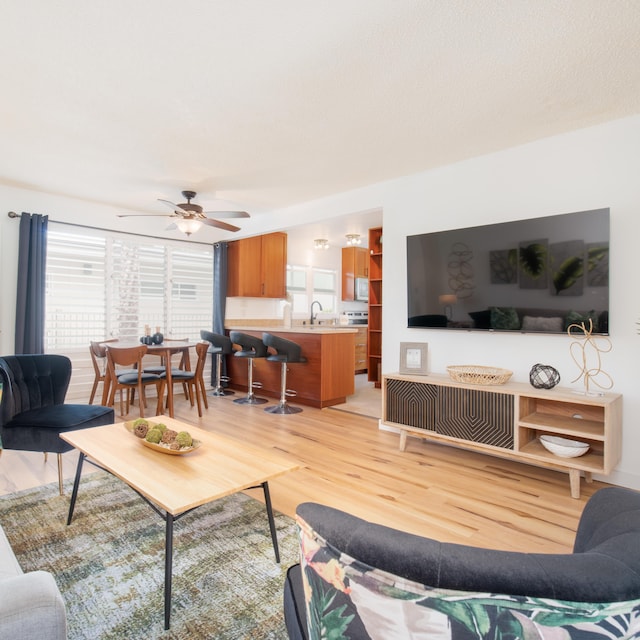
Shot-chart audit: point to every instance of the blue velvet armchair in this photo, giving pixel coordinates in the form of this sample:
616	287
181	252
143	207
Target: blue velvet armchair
33	412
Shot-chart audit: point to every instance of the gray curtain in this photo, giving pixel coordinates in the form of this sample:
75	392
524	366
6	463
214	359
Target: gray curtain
32	259
219	296
219	285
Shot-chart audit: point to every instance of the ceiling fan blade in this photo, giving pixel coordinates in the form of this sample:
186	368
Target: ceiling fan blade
145	215
221	225
228	214
175	207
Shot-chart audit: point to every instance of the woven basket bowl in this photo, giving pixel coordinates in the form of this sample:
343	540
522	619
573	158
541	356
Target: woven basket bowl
474	374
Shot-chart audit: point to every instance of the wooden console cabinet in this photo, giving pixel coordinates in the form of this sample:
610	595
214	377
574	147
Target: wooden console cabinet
507	420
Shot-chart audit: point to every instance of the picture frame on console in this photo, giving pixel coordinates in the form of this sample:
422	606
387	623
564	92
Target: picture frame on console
413	358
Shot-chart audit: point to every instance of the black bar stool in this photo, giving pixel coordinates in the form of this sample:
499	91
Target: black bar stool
251	347
221	346
287	352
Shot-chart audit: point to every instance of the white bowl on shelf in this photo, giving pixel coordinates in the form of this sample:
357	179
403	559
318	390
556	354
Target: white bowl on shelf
564	447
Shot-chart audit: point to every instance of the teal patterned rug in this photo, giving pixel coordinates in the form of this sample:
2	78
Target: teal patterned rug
109	563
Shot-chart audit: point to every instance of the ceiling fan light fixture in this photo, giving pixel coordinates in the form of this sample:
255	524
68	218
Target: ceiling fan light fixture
321	243
188	225
353	239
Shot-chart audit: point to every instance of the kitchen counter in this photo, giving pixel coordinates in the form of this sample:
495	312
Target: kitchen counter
307	328
325	379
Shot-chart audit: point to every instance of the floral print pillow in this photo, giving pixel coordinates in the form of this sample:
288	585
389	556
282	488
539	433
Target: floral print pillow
347	599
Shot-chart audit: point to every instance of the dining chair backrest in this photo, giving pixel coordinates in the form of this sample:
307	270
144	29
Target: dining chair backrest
125	357
98	351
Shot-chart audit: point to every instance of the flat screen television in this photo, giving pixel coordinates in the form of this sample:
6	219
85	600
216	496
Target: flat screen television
539	275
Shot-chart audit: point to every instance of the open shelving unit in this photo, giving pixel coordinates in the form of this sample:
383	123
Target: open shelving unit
374	338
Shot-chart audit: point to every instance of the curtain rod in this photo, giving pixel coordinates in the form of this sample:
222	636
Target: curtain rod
13	214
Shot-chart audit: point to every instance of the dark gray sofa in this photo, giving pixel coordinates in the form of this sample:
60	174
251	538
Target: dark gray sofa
370	581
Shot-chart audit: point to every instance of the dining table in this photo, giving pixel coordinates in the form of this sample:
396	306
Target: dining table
164	351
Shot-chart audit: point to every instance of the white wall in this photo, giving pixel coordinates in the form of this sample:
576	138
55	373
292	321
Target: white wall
588	169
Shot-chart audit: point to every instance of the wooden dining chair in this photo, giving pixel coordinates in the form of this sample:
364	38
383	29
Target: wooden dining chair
99	361
98	353
162	367
137	379
193	380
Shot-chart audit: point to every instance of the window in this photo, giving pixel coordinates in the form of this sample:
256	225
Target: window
306	284
324	289
297	288
102	284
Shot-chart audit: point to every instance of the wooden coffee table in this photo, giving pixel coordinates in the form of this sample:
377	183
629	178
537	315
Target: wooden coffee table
219	467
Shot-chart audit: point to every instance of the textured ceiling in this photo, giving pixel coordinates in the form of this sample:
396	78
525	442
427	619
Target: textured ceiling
269	103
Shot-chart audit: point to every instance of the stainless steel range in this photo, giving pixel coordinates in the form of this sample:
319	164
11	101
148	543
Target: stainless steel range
357	317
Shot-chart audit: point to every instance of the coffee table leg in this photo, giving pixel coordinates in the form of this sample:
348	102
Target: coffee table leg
168	567
272	524
76	484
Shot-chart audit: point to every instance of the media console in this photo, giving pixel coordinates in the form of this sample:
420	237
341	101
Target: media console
507	420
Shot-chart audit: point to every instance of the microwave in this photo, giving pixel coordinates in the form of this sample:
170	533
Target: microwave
362	289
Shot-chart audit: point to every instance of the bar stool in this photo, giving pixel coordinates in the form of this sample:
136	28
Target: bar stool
251	348
287	352
220	347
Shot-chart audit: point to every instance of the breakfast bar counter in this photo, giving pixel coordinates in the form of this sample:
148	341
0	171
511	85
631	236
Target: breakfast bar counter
325	379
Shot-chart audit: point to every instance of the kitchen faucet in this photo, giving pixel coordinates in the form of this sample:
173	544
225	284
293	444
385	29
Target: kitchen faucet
312	316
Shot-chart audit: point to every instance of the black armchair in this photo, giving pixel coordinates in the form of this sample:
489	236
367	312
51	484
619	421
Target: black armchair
33	413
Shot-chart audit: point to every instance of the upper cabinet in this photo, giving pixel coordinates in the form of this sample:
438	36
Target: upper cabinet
355	264
257	266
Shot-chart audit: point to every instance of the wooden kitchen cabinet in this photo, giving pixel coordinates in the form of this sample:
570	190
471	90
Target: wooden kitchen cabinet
257	266
361	350
355	264
323	380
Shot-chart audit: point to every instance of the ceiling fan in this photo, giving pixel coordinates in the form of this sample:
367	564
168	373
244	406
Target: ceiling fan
190	217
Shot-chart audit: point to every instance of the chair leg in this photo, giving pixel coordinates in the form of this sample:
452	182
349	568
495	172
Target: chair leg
60	485
141	401
195	388
160	385
93	391
203	393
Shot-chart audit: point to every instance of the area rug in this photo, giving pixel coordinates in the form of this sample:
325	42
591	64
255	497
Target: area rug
109	563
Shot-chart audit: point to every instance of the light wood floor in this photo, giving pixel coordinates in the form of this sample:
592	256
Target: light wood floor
347	462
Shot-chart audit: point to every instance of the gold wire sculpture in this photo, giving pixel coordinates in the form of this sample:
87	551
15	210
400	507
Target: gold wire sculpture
579	352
